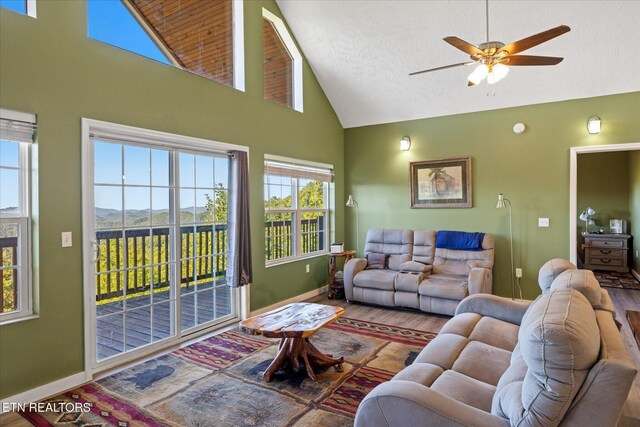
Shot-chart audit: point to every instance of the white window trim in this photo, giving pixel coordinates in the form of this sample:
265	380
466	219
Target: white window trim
297	212
286	38
23	218
31	8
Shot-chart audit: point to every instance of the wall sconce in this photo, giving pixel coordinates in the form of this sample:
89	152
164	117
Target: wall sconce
519	128
405	143
593	124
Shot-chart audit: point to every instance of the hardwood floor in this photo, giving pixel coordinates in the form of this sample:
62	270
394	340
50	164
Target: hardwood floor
623	300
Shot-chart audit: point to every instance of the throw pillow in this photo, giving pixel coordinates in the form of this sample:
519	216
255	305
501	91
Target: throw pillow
376	261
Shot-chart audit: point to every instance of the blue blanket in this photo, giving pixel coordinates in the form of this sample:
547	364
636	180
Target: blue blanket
459	240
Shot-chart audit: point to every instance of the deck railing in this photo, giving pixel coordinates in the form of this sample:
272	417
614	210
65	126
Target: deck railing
9	277
279	235
205	247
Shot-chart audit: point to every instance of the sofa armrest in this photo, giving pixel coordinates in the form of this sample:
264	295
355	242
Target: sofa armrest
480	281
351	268
494	306
406	403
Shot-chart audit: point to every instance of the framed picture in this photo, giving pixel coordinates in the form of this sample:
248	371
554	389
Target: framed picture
444	183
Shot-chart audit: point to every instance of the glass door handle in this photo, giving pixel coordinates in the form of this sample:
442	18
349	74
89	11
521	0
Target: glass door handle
96	250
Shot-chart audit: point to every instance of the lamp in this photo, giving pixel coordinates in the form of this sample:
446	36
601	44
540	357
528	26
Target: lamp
587	216
498	72
351	202
593	124
502	203
479	74
405	144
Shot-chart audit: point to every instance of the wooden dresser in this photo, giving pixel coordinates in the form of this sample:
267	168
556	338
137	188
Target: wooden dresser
608	252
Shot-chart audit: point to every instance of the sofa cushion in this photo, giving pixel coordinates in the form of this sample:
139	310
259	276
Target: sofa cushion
376	279
421	373
582	281
451	261
448	286
465	389
495	332
443	350
390	242
483	362
461	324
396	261
559	342
376	261
550	270
424	246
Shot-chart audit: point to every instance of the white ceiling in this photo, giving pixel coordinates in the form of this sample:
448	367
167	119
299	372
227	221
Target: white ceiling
362	53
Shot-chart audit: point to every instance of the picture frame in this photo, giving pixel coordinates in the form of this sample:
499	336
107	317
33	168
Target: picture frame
443	183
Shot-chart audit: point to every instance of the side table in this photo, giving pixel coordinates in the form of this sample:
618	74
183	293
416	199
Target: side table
336	284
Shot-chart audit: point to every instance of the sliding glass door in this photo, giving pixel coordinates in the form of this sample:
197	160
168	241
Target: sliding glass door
159	246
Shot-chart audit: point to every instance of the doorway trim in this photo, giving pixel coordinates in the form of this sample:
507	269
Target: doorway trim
573	186
91	127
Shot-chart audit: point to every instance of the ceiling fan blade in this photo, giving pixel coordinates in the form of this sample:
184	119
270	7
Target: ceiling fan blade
529	42
441	68
463	45
532	60
470	83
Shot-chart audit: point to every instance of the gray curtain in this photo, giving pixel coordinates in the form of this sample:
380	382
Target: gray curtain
239	272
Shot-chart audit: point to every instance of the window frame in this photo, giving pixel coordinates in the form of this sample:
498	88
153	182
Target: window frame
30	8
24	292
296	56
297	212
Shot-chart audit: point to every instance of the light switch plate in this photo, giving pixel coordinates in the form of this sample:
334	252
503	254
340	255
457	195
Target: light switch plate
67	239
543	222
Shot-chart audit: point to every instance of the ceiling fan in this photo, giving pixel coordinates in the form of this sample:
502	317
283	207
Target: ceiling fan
494	58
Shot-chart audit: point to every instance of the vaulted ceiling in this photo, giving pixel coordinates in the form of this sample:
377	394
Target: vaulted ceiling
362	53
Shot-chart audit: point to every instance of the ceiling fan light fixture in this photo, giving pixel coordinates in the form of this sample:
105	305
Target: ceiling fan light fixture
498	72
479	74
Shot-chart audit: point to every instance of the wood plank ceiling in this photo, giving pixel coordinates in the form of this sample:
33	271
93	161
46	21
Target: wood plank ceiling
198	34
278	66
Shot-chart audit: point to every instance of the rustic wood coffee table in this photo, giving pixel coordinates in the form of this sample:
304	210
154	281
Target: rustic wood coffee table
294	324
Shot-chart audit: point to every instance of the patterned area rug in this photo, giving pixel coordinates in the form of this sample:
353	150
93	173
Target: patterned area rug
218	382
612	279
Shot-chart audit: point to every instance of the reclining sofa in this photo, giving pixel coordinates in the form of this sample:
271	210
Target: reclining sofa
418	272
557	361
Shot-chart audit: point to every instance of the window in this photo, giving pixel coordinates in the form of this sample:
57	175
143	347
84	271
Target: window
26	7
16	134
282	63
296	202
204	37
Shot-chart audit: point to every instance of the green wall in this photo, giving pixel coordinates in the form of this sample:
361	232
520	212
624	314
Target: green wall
50	67
634	206
603	184
531	169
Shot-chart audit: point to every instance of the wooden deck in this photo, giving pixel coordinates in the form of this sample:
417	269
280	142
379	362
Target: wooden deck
134	326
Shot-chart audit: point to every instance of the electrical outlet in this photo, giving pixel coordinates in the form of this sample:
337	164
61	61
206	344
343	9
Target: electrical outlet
637	256
307	268
518	273
543	222
67	239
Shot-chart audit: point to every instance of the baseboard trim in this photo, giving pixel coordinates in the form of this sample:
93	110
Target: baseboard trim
46	390
297	298
635	274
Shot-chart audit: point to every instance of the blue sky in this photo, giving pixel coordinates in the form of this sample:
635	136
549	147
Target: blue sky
145	166
111	22
9	177
17	5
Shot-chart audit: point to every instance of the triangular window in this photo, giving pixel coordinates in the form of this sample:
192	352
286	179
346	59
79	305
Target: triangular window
200	36
111	22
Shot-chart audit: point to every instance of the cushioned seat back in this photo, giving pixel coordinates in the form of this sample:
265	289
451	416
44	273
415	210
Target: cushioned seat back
552	269
424	246
398	244
582	281
608	381
452	261
559	344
